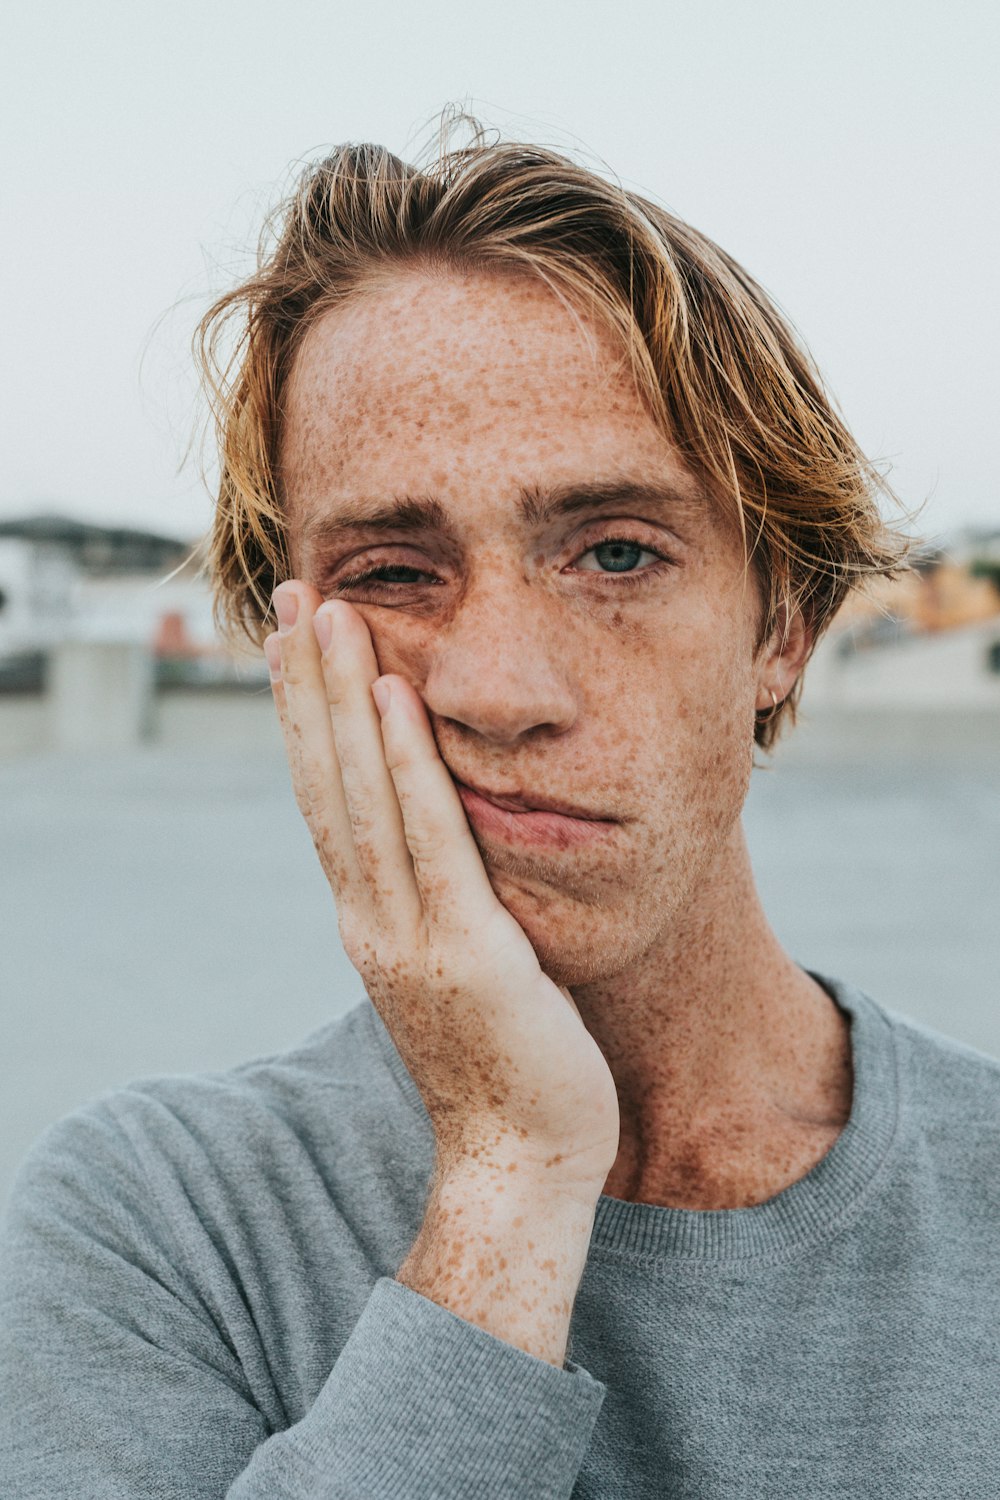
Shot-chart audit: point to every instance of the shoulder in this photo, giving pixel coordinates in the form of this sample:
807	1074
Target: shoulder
950	1143
162	1147
948	1082
934	1102
949	1129
941	1081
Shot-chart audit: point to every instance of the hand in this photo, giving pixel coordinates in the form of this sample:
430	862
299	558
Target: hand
511	1079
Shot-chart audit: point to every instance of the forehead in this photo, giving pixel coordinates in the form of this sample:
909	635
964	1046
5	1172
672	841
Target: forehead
461	382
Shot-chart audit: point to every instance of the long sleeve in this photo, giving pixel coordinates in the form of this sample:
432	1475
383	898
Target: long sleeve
120	1380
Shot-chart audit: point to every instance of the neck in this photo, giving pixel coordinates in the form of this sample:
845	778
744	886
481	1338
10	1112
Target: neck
733	1066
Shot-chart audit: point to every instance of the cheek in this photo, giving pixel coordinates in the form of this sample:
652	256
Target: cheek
701	725
403	643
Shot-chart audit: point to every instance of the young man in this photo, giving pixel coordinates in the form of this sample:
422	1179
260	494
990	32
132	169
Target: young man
601	1194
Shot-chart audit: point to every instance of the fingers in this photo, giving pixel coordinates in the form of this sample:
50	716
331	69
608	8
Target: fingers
300	698
454	887
349	667
375	790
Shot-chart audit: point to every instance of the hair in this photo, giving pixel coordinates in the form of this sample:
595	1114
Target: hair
722	371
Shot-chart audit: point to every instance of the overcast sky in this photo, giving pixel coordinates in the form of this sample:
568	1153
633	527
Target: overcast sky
846	153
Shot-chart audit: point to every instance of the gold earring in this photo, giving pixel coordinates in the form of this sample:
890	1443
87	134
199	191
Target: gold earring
770	712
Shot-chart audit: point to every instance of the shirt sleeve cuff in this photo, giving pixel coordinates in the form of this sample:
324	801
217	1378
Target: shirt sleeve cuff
422	1403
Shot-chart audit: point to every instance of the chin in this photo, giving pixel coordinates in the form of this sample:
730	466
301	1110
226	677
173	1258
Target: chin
577	942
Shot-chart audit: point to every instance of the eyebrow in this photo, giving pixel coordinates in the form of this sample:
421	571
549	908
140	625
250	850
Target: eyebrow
412	513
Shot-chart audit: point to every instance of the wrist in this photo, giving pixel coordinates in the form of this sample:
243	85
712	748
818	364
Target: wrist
518	1163
504	1248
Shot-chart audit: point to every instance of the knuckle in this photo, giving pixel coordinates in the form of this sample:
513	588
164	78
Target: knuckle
336	688
357	945
398	759
293	670
387	973
396	969
425	842
355	791
312	786
334	865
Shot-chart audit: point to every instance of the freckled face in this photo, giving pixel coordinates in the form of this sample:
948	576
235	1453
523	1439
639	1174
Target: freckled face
604	656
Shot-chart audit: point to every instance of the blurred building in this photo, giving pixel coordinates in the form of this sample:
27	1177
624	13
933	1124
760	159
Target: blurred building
930	637
102	629
66	580
64	577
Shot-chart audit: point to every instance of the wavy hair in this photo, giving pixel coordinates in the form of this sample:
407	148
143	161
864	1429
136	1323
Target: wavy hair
722	370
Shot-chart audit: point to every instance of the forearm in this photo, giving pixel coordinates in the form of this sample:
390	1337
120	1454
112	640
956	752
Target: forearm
111	1383
504	1248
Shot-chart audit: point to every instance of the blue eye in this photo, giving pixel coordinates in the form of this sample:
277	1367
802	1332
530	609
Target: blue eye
619	559
621	554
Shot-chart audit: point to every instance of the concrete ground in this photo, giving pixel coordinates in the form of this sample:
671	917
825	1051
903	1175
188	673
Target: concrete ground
163	909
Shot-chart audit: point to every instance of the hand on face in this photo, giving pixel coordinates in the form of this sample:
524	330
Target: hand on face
503	1062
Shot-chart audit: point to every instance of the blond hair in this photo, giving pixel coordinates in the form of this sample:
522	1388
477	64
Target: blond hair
721	369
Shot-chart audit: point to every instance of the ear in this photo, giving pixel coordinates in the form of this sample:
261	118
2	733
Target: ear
782	657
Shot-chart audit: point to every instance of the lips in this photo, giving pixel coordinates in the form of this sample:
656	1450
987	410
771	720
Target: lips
522	802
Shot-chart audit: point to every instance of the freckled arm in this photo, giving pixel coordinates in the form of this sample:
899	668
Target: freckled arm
522	1103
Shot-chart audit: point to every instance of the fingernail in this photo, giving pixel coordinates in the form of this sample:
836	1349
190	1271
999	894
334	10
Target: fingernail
272	655
323	626
286	607
382	693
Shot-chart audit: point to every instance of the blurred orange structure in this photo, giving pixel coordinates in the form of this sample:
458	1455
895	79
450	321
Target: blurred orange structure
941	592
172	637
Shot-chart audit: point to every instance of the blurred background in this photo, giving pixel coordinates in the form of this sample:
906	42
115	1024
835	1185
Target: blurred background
161	904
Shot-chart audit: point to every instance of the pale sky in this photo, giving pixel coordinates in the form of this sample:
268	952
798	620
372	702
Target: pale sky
847	154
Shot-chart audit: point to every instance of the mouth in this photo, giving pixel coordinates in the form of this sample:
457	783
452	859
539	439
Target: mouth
526	819
525	802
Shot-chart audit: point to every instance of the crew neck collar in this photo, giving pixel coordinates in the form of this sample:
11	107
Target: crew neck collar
806	1211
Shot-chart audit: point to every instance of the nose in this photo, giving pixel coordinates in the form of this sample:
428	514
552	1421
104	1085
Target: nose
499	666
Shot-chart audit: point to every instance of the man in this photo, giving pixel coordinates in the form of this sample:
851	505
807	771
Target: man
602	1194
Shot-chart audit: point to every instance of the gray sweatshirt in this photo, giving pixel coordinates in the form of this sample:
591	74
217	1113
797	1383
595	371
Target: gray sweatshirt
198	1301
